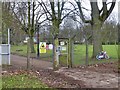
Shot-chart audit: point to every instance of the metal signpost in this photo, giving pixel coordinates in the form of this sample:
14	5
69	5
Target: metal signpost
5	52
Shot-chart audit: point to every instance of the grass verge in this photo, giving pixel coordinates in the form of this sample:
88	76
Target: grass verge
21	81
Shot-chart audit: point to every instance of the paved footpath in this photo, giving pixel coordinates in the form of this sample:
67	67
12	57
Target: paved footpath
21	62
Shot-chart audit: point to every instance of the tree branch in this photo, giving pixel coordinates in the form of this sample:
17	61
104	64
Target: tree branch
111	8
45	10
81	13
63	3
68	13
53	10
106	12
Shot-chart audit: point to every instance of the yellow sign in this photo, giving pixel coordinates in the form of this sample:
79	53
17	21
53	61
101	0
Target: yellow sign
42	47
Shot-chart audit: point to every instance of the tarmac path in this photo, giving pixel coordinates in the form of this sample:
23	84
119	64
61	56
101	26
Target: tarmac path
18	62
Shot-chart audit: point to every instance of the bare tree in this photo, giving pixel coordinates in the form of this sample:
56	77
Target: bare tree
55	14
98	16
9	21
19	10
27	14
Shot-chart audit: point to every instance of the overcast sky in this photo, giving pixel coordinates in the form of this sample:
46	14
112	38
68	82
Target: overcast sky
86	4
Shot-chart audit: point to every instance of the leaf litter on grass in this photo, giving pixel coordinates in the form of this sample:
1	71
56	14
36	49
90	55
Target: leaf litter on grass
21	80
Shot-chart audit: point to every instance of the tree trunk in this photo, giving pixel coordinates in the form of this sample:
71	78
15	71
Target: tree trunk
32	45
28	44
32	31
55	56
86	43
55	24
38	50
97	43
96	27
28	54
119	48
70	55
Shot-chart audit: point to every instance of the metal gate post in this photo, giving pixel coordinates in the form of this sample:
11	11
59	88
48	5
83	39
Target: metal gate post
9	44
5	51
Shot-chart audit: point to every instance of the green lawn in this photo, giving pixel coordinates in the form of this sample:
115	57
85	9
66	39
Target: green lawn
19	49
22	50
79	54
21	81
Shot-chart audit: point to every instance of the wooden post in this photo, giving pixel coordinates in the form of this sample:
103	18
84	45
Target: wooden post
86	52
70	53
28	54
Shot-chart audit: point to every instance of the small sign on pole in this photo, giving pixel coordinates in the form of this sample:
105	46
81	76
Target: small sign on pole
50	46
62	43
42	47
64	48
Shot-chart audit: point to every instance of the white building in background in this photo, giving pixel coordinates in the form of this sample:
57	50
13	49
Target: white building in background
26	40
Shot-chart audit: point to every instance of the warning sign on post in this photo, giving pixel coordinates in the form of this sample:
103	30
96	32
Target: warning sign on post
42	47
